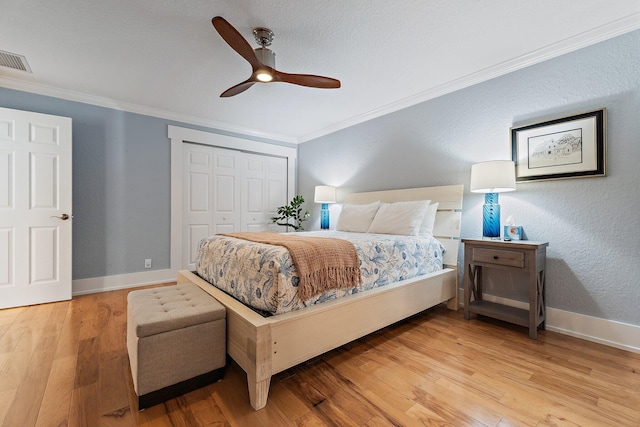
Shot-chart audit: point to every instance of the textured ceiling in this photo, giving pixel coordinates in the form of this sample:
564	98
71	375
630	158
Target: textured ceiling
164	58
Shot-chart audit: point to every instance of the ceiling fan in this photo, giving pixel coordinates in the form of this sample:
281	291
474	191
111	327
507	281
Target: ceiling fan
263	61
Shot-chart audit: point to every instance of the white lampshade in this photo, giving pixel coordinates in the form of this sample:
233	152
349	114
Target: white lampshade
496	176
325	194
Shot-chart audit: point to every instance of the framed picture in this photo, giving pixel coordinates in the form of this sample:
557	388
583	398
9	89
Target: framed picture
568	147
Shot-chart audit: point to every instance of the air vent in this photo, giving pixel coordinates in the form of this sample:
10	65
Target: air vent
11	60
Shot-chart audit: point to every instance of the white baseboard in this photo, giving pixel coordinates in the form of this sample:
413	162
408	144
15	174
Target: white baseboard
122	281
608	332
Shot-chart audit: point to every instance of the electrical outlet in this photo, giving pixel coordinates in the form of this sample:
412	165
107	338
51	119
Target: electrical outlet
147	263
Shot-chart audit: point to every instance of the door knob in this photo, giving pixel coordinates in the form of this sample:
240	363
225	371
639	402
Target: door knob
63	217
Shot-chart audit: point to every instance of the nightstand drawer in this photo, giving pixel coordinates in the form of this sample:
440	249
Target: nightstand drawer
498	257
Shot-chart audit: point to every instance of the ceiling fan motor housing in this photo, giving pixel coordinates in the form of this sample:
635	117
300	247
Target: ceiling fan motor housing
266	56
264	37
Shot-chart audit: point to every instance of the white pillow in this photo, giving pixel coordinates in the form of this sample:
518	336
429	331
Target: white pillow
426	229
404	218
357	218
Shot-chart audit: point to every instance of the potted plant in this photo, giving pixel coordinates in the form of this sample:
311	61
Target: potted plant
292	212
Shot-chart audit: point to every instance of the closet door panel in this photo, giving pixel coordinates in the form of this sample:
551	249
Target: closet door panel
226	176
197	201
197	232
275	189
253	194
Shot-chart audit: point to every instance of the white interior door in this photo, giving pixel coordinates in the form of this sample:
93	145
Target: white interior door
35	208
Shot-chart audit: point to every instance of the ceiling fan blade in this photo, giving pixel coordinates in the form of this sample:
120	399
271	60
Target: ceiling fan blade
309	80
239	88
235	40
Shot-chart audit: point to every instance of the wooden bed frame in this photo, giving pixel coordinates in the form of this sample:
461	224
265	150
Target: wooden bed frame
265	346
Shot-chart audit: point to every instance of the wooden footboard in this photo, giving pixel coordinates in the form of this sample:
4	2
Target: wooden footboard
264	346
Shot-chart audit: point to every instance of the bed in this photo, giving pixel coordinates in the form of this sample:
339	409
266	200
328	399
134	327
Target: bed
264	346
265	277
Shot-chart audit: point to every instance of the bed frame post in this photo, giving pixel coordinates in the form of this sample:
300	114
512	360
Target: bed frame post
454	303
259	373
258	392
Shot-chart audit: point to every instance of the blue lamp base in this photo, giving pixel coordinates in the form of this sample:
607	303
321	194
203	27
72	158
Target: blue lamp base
324	216
491	216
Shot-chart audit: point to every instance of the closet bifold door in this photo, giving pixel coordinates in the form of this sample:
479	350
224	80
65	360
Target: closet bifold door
226	191
264	188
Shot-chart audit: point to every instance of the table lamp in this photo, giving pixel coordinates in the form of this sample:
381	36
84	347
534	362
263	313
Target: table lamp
325	194
491	178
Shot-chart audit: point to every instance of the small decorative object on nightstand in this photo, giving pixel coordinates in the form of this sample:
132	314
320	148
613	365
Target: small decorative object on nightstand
526	256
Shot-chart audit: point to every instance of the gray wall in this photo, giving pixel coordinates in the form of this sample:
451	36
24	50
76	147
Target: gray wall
121	184
590	223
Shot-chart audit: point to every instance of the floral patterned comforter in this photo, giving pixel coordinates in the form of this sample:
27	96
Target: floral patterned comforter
264	277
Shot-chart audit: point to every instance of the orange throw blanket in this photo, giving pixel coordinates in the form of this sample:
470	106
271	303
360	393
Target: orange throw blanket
322	263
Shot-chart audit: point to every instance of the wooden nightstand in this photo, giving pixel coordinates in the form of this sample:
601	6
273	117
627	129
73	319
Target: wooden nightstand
526	256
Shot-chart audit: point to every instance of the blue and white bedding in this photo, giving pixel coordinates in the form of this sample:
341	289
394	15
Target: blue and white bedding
264	277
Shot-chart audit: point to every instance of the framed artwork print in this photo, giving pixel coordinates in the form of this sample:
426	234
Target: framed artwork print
568	147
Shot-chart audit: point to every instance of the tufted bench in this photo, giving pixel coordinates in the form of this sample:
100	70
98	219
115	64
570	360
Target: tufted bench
176	339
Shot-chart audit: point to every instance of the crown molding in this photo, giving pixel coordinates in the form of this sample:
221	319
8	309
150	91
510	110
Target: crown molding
70	95
587	38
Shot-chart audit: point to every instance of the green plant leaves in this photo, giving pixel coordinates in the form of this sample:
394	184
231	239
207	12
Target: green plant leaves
292	212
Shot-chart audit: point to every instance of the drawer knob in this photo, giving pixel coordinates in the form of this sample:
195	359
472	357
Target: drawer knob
495	257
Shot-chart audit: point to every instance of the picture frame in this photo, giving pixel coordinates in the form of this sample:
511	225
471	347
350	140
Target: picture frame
566	147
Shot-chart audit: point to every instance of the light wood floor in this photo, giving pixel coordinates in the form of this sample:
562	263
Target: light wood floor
66	364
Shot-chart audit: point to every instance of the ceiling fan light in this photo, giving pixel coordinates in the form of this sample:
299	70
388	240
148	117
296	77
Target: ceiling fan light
268	58
264	76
